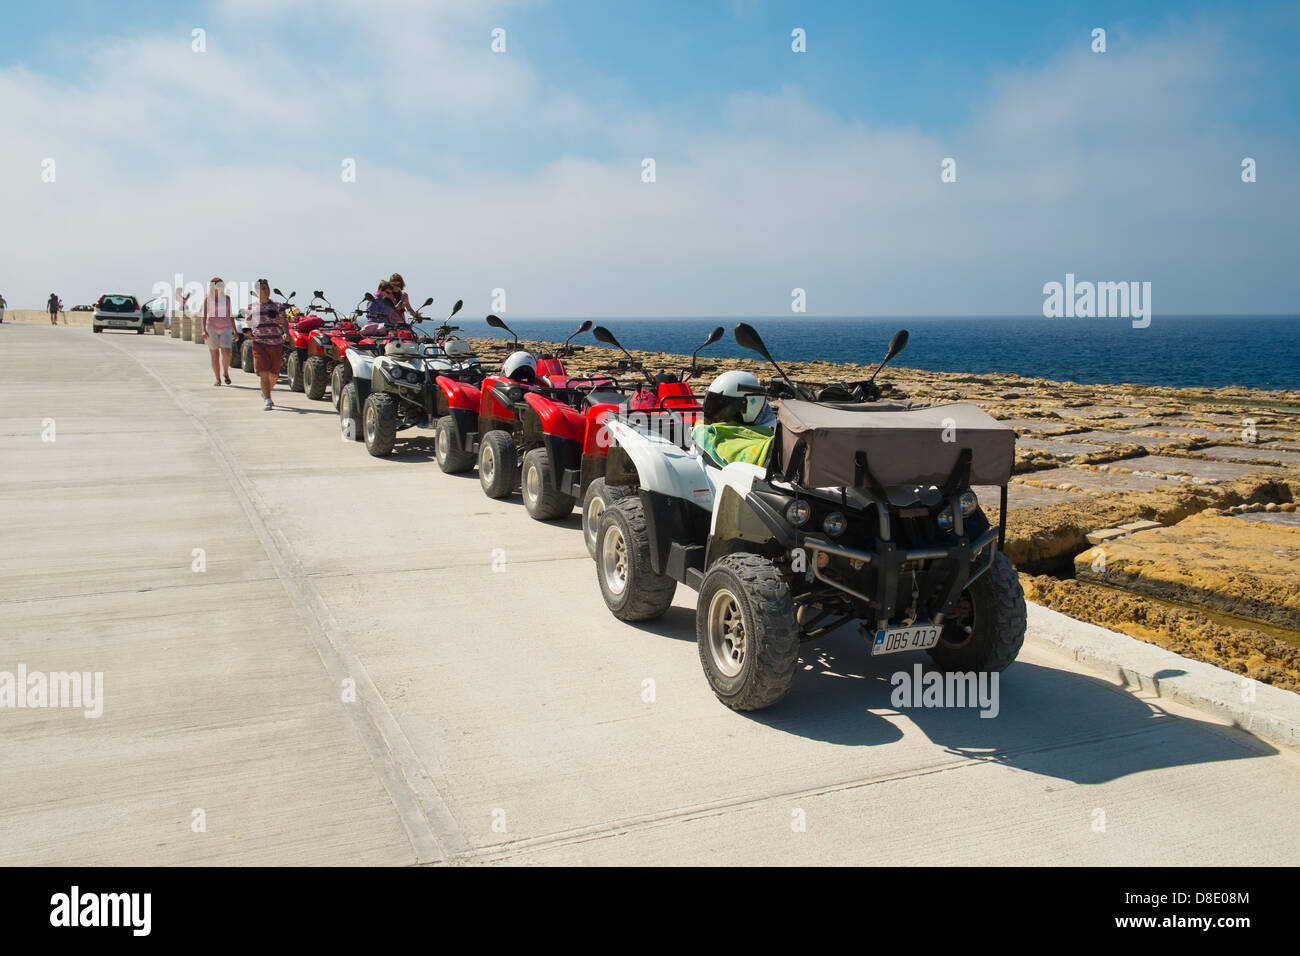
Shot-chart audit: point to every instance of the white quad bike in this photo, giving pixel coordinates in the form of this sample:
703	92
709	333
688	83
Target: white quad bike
863	513
395	387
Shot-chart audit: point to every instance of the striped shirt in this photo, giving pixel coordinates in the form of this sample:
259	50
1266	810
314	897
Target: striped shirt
267	322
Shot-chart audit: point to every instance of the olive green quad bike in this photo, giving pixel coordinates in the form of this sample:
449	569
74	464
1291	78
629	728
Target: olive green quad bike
864	512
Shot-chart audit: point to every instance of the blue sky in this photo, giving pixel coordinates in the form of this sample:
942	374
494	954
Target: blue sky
775	170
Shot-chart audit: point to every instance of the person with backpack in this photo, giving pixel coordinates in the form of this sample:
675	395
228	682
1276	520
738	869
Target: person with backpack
52	306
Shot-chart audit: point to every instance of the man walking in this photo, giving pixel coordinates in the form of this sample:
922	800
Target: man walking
52	306
270	329
3	305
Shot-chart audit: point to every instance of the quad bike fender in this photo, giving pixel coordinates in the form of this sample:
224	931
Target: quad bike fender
363	363
558	420
742	520
661	465
553	370
489	405
596	438
460	395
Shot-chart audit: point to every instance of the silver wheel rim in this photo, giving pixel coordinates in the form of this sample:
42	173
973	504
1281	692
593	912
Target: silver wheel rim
613	560
488	466
532	483
594	510
726	633
370	422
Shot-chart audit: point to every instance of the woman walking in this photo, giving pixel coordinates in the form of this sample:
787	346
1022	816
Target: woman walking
218	329
270	329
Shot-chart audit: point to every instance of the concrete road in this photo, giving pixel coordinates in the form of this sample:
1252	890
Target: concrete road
314	656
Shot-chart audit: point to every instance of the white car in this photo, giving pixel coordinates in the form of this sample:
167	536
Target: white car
114	311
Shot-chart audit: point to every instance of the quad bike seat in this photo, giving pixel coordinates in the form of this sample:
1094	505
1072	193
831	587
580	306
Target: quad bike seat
604	396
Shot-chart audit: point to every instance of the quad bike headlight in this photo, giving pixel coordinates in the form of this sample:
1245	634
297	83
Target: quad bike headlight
798	512
968	503
835	524
945	519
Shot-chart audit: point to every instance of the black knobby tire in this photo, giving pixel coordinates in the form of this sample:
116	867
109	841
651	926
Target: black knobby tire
140	330
314	378
498	464
598	497
451	459
96	329
336	383
351	413
246	356
380	423
992	638
746	631
542	500
293	368
628	583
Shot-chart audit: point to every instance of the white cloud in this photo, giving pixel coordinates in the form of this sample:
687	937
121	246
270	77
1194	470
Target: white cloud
1114	167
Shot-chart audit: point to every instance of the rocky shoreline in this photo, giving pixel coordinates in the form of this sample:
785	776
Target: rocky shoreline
1206	481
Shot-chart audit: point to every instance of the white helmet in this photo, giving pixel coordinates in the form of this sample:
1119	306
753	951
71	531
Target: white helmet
736	396
521	366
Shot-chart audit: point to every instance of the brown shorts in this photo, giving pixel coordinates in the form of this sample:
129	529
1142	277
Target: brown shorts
266	358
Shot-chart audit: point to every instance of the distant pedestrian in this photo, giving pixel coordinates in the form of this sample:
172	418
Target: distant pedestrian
62	313
270	329
218	329
52	306
3	305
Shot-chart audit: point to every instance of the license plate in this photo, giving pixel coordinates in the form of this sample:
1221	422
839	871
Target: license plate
895	640
119	322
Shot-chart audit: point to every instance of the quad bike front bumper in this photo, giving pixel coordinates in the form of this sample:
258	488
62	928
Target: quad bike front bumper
940	574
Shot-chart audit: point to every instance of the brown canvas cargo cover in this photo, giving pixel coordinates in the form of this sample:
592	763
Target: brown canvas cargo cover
904	443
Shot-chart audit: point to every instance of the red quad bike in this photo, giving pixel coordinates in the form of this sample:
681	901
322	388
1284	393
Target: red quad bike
480	420
565	445
322	317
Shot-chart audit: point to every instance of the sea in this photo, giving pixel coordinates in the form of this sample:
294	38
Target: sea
1180	351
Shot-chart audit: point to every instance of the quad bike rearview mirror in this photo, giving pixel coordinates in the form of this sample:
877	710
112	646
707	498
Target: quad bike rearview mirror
713	337
368	297
750	339
460	303
603	334
496	323
318	294
582	328
896	345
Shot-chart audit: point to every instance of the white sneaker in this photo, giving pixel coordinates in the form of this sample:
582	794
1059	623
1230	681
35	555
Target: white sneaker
268	406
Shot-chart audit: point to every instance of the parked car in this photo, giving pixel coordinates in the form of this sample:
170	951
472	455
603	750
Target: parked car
117	311
83	308
155	310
